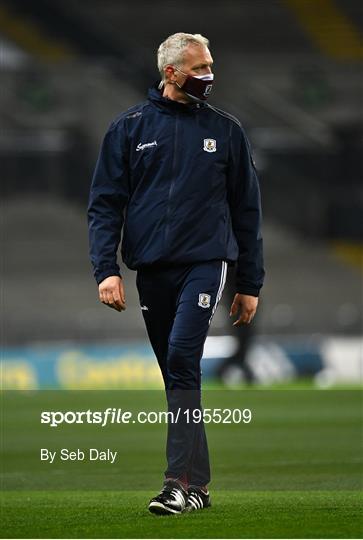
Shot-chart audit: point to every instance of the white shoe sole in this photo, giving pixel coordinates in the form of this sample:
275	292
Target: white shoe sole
160	509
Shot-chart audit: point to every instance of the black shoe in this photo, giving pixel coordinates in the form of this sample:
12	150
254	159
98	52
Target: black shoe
172	499
197	499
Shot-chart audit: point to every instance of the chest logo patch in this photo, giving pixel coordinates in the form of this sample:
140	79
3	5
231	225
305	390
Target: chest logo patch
204	300
210	145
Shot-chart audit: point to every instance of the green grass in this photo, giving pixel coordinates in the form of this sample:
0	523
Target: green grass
235	514
294	472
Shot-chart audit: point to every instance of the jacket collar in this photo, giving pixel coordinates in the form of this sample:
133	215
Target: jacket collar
169	105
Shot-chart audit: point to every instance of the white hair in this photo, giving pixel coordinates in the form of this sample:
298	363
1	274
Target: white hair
171	50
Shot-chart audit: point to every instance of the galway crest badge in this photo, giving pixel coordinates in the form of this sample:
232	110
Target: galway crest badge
210	145
204	300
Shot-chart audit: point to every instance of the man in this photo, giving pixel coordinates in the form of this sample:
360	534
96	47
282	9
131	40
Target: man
177	175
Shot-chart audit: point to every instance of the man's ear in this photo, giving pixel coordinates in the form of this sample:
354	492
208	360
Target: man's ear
169	74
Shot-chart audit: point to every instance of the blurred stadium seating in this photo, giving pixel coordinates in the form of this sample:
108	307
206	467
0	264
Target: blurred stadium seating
291	74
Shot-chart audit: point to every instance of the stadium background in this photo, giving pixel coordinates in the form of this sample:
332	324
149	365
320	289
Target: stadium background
291	71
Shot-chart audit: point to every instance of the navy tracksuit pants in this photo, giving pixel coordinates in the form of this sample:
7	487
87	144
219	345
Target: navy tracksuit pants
178	303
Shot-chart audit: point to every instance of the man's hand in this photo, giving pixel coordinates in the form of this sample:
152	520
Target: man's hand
245	306
111	291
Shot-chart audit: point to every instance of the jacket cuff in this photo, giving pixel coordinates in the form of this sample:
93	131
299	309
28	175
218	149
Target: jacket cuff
101	275
248	289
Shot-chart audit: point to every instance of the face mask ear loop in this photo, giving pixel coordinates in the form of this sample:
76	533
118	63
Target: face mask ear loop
180	71
161	84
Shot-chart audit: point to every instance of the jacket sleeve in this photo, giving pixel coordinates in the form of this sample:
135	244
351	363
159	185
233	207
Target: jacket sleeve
245	207
108	197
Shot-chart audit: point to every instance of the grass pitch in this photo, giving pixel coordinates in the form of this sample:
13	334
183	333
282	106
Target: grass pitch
294	472
235	514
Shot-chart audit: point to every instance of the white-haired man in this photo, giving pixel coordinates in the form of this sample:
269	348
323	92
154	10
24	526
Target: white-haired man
181	173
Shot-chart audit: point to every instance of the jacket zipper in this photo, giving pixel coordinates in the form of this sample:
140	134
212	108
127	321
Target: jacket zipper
172	183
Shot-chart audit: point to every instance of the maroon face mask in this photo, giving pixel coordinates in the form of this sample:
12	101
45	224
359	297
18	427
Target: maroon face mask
197	87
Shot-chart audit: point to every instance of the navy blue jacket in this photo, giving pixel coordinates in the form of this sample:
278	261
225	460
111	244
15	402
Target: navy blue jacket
181	182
